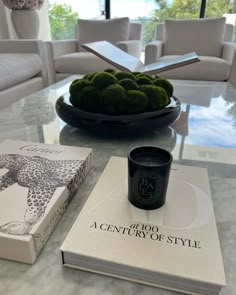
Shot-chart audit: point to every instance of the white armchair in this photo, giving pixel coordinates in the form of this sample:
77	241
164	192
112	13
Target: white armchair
22	69
210	38
66	57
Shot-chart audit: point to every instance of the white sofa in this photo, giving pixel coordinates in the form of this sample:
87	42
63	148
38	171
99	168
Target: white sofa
22	69
66	57
209	38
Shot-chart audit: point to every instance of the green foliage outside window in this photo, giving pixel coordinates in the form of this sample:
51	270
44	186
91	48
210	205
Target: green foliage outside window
62	21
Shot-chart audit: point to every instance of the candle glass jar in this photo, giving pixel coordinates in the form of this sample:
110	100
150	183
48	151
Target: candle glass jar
148	176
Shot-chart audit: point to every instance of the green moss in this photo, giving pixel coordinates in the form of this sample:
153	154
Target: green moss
128	84
77	86
103	80
164	83
88	99
134	102
111	98
141	80
124	75
114	92
140	75
136	73
157	96
111	71
90	76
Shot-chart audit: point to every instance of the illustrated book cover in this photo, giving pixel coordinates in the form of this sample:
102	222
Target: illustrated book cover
37	182
174	247
126	62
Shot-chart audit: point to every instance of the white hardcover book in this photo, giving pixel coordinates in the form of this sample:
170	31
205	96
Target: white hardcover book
37	182
126	62
175	247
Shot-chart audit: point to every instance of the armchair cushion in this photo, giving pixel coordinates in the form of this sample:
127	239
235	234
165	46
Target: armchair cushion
209	68
80	63
112	30
17	68
204	36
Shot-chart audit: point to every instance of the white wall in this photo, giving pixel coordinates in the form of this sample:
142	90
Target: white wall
7	31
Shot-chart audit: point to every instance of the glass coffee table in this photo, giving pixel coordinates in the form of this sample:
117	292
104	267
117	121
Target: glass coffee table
204	135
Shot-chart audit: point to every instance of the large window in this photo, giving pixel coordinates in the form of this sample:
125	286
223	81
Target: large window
63	14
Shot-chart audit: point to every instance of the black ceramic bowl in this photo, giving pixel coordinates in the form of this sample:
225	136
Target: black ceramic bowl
82	119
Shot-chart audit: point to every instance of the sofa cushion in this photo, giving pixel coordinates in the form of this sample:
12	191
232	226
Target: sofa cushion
80	63
204	36
112	30
207	69
17	68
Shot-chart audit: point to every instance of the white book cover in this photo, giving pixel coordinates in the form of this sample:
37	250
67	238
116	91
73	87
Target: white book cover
126	62
175	246
37	182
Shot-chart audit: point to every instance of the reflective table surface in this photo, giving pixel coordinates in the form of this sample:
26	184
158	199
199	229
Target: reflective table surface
204	135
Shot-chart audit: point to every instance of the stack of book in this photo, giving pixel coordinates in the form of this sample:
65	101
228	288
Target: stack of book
174	247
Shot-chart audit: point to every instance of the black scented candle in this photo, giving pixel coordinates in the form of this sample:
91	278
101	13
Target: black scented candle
148	176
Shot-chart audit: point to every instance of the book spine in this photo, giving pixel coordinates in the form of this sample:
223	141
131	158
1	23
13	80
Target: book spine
41	236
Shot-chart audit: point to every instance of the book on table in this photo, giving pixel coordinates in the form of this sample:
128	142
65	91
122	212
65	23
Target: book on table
37	182
126	62
175	247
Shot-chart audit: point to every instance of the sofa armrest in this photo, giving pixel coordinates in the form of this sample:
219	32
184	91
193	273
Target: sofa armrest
61	47
133	47
21	46
229	54
228	51
153	51
27	46
55	49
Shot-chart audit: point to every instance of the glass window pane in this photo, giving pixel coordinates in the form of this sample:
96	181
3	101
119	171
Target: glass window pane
138	11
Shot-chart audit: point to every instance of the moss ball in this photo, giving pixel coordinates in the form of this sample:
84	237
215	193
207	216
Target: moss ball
111	71
124	75
128	84
136	73
88	99
140	75
90	76
157	96
141	80
111	98
77	86
164	83
135	102
103	79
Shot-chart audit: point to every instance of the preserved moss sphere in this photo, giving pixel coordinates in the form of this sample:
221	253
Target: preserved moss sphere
140	75
90	76
136	73
77	86
164	83
157	96
128	84
124	75
75	81
135	102
111	71
111	98
141	80
88	99
103	79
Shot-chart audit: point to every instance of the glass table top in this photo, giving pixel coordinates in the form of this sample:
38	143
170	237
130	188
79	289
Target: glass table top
204	135
205	130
